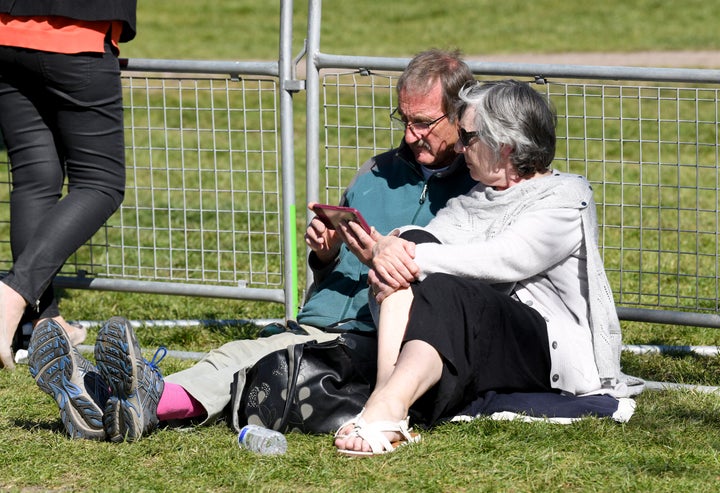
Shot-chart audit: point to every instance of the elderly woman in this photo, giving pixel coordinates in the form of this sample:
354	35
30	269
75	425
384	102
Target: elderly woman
512	294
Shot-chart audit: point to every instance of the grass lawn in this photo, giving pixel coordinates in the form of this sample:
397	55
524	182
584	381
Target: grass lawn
671	444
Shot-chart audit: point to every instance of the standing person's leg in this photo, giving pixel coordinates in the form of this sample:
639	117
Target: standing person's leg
37	175
86	116
91	129
82	107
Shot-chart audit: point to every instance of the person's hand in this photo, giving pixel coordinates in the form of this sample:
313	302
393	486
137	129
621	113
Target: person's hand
393	261
358	240
379	289
325	242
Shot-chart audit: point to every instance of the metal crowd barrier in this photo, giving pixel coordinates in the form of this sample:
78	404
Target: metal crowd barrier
646	138
210	205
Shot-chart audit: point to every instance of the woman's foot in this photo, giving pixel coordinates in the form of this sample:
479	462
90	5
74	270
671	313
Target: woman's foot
12	307
76	333
380	428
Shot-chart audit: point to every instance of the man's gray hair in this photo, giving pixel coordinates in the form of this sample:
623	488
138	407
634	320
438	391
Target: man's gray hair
428	67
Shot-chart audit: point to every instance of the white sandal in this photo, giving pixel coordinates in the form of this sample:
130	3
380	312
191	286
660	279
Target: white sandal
373	434
350	422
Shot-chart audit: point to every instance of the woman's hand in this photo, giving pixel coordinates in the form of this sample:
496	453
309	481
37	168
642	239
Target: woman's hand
393	261
358	240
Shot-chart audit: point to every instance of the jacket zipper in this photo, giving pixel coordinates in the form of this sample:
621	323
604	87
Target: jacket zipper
423	195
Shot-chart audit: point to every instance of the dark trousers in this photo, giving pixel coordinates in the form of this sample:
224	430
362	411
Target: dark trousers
60	115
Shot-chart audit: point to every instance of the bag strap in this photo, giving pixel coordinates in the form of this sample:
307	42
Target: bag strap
294	357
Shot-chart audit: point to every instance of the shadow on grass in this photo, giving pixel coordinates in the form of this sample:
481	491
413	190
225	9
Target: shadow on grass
675	366
29	425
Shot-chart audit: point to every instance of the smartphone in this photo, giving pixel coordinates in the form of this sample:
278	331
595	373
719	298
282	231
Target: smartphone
332	215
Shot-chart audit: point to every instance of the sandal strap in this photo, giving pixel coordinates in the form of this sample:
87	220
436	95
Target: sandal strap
374	433
350	422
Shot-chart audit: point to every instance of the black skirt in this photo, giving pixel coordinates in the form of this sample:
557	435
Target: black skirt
487	339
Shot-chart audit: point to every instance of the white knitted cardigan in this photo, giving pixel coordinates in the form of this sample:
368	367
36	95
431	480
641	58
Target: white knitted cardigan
492	211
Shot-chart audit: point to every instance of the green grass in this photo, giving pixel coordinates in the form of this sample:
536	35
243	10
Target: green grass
249	30
671	444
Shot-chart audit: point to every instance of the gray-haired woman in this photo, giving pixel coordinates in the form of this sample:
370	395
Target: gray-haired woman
504	290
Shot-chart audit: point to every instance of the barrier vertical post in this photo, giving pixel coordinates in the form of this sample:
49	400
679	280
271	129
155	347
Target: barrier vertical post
312	78
287	87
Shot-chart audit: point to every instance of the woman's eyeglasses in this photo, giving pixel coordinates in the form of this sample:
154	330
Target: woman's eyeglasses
467	137
418	127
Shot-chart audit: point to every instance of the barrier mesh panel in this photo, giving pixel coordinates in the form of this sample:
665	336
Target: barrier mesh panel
202	203
651	153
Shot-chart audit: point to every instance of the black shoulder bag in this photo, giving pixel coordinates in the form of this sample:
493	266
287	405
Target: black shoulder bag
311	387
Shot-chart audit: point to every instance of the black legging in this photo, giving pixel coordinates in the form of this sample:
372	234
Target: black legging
59	114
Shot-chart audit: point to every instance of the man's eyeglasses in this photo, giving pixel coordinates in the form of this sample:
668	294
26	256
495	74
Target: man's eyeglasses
467	137
418	127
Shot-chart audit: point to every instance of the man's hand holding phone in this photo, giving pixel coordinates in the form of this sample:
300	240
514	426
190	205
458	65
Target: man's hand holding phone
348	224
335	215
322	240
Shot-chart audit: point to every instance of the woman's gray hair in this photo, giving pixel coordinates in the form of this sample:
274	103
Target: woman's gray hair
511	113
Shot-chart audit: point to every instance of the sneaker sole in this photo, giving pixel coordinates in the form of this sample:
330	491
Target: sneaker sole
115	353
121	421
52	365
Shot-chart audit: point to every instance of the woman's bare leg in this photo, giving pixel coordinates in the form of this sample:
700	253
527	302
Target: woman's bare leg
418	368
394	315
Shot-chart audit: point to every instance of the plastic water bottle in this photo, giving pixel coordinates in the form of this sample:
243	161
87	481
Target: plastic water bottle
262	440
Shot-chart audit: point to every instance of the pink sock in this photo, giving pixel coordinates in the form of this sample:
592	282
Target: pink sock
176	403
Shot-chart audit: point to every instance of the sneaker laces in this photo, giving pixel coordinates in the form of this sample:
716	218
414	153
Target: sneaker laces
159	355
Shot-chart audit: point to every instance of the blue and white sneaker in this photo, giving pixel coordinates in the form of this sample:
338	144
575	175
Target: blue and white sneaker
136	384
74	383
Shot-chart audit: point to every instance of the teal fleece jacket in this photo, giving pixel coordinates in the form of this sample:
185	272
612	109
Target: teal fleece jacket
390	191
